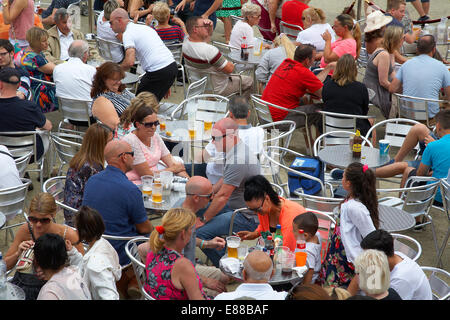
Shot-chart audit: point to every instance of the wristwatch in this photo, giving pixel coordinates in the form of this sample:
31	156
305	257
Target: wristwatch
202	219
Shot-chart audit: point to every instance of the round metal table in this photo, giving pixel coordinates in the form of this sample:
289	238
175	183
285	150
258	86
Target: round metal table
170	197
14	292
2	220
340	156
235	56
395	220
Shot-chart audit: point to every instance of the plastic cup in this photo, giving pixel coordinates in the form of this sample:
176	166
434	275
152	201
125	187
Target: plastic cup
157	177
242	252
157	189
147	182
162	123
166	179
287	261
233	243
384	147
300	258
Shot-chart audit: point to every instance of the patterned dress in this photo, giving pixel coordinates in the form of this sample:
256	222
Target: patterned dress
336	270
158	268
44	95
74	188
229	8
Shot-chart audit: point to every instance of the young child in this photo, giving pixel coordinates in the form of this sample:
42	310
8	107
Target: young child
309	224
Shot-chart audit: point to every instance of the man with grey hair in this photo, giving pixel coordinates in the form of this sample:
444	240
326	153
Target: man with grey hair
104	30
60	36
258	269
73	79
49	13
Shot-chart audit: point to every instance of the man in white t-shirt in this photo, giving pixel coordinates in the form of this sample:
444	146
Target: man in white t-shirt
258	269
143	42
104	30
407	278
201	56
9	175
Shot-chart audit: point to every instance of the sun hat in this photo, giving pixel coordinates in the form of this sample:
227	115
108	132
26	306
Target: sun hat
376	20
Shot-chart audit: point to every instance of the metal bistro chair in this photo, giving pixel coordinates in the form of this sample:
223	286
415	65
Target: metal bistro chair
415	108
75	110
445	191
55	186
332	121
131	249
21	143
262	110
439	280
291	30
362	60
196	88
176	49
401	243
66	146
12	202
235	19
416	200
22	163
203	110
104	47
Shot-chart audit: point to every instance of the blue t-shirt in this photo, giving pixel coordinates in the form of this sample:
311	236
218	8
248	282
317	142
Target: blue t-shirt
120	203
437	157
423	77
394	22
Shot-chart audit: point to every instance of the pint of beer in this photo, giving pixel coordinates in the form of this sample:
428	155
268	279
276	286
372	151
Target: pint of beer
191	134
233	243
157	189
147	187
207	125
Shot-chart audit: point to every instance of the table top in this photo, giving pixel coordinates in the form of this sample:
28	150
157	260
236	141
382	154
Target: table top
277	278
394	219
170	198
235	55
179	131
2	220
14	292
340	156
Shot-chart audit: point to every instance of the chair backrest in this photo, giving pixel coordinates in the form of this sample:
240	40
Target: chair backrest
415	108
445	191
55	186
363	58
19	143
224	48
105	48
22	163
205	106
332	121
235	19
196	88
395	130
77	110
131	249
326	226
407	245
439	282
12	200
177	52
74	12
418	200
261	108
66	145
291	30
335	138
278	131
318	204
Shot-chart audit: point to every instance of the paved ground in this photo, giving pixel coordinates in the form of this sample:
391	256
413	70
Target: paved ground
331	8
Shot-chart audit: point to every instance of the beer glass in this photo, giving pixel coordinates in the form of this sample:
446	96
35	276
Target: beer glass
233	243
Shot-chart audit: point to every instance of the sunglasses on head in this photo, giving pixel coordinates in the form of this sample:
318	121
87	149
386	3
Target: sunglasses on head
41	220
151	124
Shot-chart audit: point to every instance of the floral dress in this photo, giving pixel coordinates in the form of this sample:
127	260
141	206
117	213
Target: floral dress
74	188
336	270
158	269
44	95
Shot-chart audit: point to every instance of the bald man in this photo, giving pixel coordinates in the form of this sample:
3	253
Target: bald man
120	203
258	269
143	42
239	164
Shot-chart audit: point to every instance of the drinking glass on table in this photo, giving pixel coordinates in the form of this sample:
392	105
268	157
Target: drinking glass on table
233	243
157	189
147	182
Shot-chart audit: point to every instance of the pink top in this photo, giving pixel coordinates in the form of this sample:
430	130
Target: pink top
158	270
341	47
23	22
142	153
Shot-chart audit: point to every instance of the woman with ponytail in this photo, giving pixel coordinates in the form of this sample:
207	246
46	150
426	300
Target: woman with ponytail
349	40
358	217
170	276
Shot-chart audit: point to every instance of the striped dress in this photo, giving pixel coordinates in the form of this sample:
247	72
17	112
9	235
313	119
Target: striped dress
120	101
172	34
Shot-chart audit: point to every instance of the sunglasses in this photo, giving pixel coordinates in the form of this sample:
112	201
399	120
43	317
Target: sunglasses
218	137
209	196
257	209
151	124
41	220
104	126
131	153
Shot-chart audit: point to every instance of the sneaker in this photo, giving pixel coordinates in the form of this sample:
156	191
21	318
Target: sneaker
419	229
337	174
424	18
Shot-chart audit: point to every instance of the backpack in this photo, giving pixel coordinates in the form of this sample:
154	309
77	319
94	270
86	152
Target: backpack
308	165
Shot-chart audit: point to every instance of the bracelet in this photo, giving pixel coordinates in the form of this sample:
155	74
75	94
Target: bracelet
201	244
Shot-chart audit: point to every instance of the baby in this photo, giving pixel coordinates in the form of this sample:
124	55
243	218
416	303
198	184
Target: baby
309	224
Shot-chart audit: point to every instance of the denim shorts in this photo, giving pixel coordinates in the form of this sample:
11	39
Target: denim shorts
422	143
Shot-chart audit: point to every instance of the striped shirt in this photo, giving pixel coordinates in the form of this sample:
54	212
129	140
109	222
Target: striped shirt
174	33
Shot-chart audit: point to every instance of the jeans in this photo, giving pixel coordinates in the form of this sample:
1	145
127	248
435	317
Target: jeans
219	226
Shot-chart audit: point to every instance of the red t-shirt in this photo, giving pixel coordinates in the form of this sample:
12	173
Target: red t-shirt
287	85
291	12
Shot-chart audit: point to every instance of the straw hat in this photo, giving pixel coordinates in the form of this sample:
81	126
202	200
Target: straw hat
376	20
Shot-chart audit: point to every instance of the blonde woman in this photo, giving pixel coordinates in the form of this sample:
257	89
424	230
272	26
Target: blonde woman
343	94
167	32
284	48
170	276
380	68
372	270
314	26
41	217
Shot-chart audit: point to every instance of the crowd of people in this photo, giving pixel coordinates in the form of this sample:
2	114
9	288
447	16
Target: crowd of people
121	144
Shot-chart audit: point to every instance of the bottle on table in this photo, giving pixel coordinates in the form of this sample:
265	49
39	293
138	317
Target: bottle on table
278	238
244	49
269	245
3	289
356	148
301	242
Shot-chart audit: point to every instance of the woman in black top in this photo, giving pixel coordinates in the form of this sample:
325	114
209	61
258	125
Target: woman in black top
343	94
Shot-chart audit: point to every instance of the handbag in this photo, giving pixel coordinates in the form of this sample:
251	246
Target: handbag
25	262
311	166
